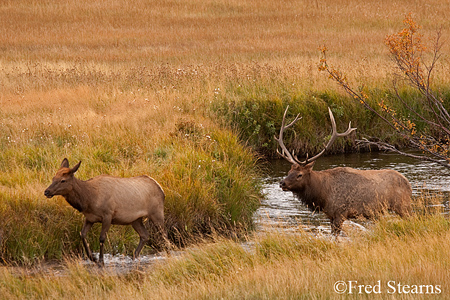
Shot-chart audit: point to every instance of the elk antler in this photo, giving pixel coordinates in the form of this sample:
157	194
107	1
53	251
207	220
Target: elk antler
284	151
334	135
290	157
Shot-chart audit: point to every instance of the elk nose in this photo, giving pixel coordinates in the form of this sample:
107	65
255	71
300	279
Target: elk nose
282	184
47	194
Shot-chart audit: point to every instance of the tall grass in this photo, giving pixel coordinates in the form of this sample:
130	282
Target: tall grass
139	31
275	266
209	177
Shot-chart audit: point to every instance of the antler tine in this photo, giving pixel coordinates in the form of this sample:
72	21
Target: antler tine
334	135
333	125
293	122
284	151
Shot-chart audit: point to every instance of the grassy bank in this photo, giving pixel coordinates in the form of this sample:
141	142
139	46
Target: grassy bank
278	266
209	177
131	89
255	108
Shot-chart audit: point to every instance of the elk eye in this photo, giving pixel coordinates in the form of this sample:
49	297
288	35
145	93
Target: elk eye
63	180
299	175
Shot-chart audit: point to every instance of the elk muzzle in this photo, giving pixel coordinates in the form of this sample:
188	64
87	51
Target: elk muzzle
283	185
48	194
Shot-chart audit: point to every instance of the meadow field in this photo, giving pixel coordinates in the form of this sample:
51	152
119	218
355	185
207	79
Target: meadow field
191	93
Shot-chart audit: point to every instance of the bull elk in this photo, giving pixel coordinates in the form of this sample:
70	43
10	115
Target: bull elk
343	193
111	200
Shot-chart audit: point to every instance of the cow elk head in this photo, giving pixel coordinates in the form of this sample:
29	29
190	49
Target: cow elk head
62	183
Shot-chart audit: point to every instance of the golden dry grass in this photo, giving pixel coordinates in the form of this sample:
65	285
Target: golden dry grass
81	78
117	34
276	266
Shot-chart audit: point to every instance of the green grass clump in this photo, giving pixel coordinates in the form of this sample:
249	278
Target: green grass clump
37	229
256	110
217	186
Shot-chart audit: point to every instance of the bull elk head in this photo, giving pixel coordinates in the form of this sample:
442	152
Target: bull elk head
299	176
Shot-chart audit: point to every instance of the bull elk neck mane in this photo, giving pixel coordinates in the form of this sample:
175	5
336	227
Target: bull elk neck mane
343	193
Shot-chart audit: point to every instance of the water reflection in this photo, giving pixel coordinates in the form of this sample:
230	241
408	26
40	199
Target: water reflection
121	264
281	208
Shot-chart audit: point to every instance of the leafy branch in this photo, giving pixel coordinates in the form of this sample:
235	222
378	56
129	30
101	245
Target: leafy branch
409	53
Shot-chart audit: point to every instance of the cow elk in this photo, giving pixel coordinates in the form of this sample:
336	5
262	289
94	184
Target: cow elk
343	193
111	200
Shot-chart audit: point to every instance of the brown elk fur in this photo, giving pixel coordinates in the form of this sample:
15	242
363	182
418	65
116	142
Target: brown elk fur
111	200
343	193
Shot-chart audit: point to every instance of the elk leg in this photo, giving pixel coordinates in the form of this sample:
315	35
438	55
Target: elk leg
158	221
402	210
336	225
143	235
86	227
106	224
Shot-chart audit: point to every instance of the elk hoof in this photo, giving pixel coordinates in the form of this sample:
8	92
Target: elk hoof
100	263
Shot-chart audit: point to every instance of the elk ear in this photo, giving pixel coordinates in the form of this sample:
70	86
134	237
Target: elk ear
310	165
65	163
75	168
